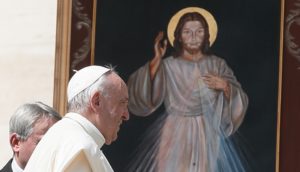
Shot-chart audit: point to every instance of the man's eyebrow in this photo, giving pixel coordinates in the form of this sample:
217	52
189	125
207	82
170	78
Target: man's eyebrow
125	99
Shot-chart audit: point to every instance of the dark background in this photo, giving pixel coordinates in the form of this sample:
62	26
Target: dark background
248	39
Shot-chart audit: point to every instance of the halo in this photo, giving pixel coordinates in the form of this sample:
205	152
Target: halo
212	24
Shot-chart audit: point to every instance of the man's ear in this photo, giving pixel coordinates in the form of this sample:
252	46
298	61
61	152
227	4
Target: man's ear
14	142
95	101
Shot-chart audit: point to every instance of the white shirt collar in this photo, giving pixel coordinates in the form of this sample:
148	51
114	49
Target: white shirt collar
15	167
88	126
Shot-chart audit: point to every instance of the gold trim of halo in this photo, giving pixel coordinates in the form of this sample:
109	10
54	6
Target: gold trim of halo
212	24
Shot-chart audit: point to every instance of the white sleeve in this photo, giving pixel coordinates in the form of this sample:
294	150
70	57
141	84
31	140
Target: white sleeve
79	163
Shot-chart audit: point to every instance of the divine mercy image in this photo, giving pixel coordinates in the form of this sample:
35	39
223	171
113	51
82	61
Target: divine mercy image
204	102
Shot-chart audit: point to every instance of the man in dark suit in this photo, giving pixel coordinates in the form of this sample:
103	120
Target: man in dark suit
26	128
7	167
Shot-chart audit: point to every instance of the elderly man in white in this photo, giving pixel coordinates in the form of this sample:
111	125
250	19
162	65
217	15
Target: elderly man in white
97	106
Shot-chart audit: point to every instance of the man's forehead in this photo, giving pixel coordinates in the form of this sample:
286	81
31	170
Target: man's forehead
193	22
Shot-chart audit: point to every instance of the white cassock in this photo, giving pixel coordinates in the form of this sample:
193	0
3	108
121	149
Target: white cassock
71	145
192	137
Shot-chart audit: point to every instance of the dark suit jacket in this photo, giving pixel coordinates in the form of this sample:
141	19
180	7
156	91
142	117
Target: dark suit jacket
7	167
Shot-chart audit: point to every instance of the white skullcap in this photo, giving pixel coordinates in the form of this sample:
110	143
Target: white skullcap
84	78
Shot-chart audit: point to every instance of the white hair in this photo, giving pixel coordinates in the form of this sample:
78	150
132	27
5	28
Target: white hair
80	102
25	117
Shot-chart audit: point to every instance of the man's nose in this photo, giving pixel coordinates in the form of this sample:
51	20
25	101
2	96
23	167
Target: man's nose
193	35
125	115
